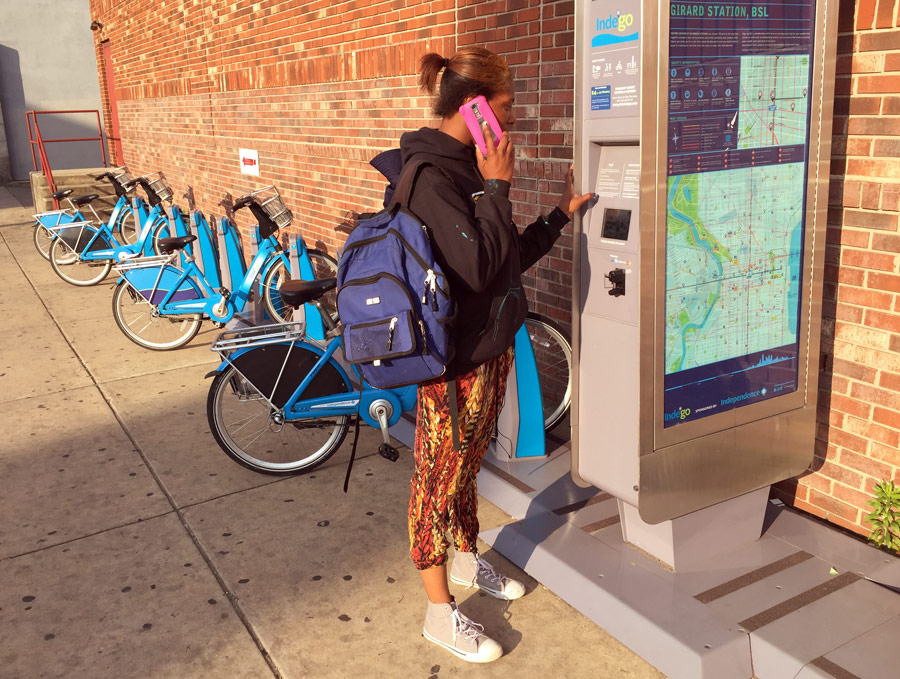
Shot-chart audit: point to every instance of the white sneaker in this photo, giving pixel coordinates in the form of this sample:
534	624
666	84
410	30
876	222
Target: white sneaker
447	627
471	570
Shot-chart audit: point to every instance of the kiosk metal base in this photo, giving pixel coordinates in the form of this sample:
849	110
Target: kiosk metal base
801	602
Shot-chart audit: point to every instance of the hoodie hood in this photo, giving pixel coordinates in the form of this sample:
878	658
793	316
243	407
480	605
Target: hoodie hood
435	144
450	154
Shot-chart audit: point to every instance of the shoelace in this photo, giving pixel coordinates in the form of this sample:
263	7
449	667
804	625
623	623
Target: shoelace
487	571
465	627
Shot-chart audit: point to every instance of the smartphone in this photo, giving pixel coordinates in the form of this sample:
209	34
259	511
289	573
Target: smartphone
476	113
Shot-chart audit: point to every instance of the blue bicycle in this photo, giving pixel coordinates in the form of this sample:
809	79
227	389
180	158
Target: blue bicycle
160	305
123	222
281	402
83	254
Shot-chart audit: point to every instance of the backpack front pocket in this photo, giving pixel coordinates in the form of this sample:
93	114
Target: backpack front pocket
379	340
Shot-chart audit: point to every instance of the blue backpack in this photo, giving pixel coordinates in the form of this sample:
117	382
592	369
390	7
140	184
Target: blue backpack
393	298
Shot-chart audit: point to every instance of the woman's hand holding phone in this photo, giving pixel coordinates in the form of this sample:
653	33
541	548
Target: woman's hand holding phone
499	162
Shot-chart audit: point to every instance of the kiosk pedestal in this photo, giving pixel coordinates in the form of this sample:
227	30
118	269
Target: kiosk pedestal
704	129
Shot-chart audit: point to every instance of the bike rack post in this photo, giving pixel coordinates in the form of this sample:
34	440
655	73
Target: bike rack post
294	259
258	311
223	251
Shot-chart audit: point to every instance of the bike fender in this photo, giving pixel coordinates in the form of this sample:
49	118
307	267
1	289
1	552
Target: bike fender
219	368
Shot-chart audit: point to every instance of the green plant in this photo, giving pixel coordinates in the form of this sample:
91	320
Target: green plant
885	516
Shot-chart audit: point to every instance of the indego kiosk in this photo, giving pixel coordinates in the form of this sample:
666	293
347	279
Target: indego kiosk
704	128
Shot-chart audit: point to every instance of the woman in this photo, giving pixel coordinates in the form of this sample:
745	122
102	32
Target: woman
463	198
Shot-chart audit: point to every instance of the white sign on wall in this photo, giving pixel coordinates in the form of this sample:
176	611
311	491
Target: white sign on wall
249	161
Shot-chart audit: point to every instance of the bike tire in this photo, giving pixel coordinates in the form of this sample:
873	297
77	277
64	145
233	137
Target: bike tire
127	227
553	353
160	230
323	265
43	240
243	424
135	318
74	270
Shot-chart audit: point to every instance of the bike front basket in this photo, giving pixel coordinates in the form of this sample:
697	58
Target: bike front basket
161	188
277	210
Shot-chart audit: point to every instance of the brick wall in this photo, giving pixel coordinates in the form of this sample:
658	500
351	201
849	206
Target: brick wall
859	400
320	87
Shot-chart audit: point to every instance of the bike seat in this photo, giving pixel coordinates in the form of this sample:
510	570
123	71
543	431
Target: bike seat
169	245
62	193
84	200
296	293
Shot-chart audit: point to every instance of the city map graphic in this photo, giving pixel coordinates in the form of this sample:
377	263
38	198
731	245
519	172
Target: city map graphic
733	251
734	236
773	101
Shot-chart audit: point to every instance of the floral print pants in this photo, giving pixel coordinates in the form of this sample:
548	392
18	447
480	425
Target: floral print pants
444	497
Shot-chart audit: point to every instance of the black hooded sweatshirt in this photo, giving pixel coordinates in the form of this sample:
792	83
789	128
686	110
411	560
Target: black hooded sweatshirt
476	243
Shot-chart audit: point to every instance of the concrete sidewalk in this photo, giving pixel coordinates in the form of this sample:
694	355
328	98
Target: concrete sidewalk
131	546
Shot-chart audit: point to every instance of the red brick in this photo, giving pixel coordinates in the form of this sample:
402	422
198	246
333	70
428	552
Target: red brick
865	14
876	396
836	472
890	455
850	406
890	380
864	464
889	418
881	320
883	281
869	260
874	84
864	297
884	18
832	506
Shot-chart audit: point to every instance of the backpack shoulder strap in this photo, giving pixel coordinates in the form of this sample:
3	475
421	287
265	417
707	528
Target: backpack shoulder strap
407	180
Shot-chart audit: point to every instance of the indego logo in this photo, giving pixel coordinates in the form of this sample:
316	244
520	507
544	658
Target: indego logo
609	30
619	22
678	414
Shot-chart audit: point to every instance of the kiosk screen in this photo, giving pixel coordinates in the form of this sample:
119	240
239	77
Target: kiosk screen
739	91
616	223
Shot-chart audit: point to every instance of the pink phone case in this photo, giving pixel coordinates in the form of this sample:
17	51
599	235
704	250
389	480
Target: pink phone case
475	113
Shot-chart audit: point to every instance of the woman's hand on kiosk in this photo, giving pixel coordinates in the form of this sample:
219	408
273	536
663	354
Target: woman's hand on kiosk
500	161
568	201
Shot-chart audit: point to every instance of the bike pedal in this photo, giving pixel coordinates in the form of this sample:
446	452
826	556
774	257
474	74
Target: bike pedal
388	452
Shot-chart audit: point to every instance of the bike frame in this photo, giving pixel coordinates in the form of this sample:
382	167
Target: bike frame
57	220
354	401
102	236
211	301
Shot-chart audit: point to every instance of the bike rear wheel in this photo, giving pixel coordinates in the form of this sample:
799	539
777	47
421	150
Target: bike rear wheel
250	432
138	320
69	265
323	266
553	353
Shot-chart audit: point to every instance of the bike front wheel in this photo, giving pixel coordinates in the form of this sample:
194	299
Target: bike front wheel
69	265
553	353
253	433
140	322
127	227
323	266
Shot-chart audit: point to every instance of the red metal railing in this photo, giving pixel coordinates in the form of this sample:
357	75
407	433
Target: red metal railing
35	139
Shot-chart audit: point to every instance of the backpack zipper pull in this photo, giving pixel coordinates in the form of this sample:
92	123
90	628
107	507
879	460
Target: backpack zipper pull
430	279
424	338
434	306
391	332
